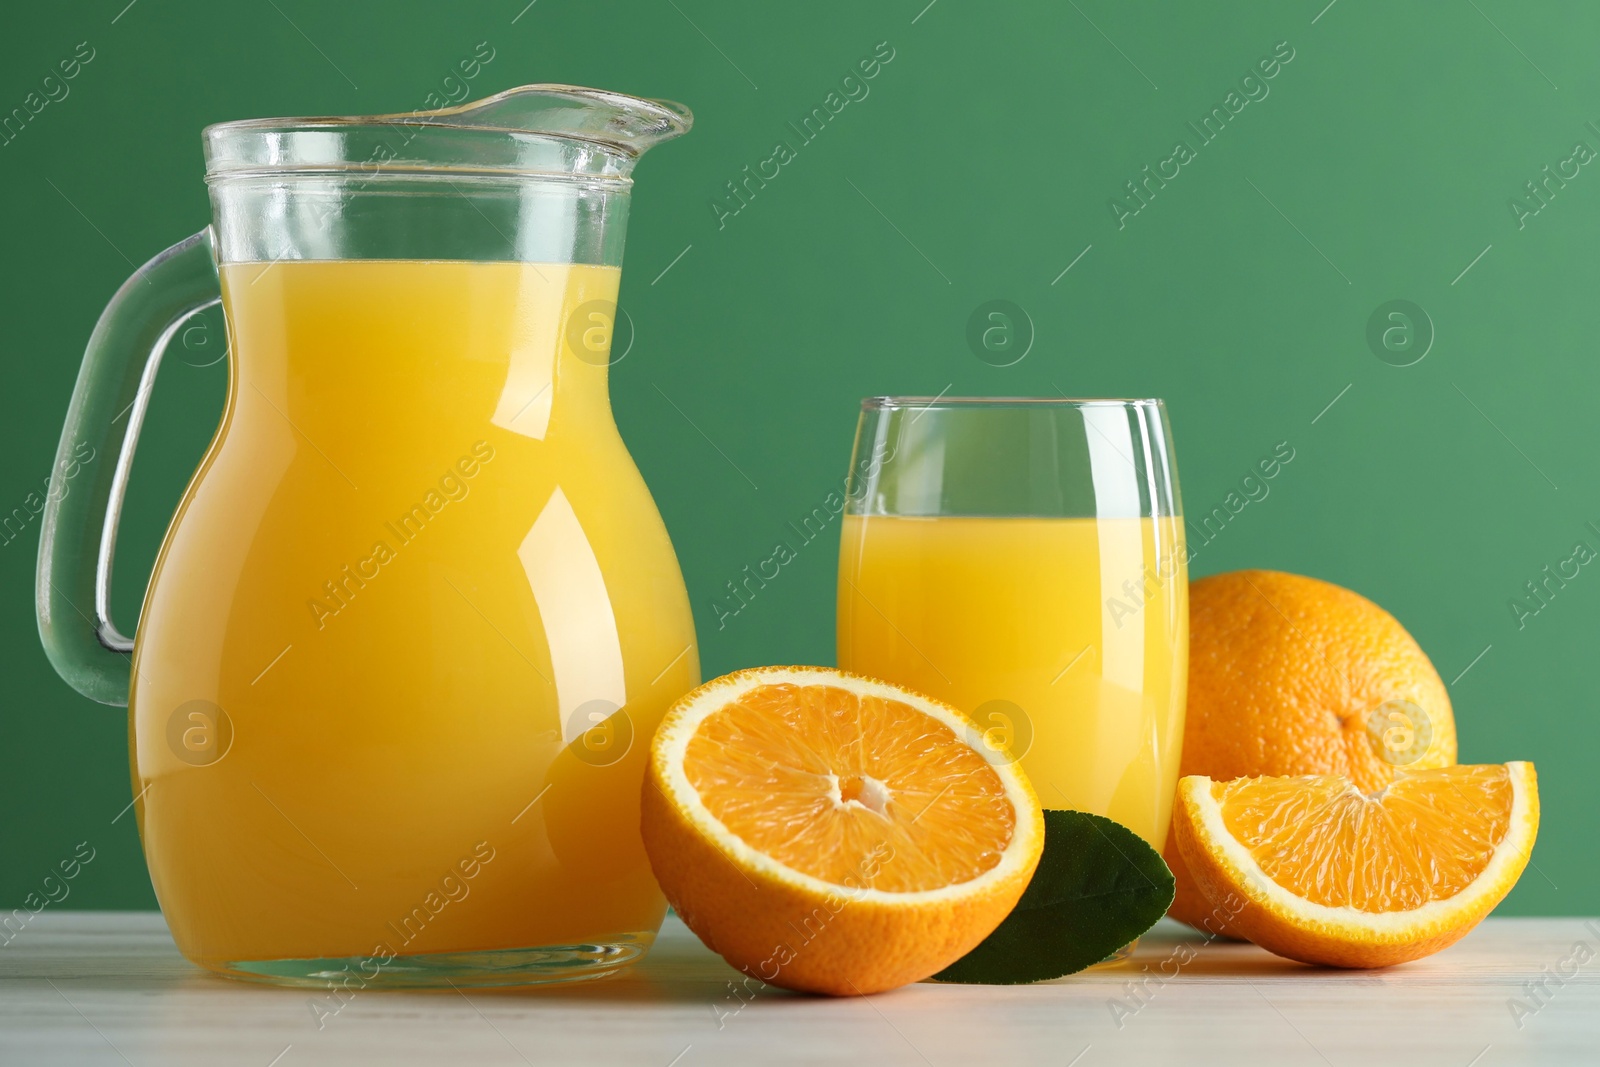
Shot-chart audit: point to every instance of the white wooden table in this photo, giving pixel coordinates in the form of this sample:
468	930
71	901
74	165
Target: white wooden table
111	988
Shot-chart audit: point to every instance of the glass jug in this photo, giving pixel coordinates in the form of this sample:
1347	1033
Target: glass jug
416	618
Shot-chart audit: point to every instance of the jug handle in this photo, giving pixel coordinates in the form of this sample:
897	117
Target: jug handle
78	538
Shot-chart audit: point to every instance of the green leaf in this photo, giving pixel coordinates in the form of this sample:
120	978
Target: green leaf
1098	887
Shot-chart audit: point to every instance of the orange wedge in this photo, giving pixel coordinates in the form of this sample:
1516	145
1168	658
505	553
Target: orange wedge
830	833
1314	869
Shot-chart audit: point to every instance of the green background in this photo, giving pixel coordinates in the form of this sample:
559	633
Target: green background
981	165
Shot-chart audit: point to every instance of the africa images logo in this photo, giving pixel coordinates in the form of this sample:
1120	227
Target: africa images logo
1253	87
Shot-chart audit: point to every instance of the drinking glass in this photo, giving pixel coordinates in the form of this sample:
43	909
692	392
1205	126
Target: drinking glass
1024	560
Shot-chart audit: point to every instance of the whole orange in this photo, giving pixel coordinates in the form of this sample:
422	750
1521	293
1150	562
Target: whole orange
1293	675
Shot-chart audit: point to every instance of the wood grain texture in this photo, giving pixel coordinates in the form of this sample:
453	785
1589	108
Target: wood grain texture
102	987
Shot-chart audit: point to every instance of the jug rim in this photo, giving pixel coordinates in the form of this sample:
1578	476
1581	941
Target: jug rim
545	128
884	403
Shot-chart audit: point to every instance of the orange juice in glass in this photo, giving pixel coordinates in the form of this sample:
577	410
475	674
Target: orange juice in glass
1024	560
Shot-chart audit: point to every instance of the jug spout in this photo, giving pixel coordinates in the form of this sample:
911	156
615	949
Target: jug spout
627	123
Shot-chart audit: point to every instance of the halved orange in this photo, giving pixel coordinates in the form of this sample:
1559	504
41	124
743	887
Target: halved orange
1314	869
826	832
